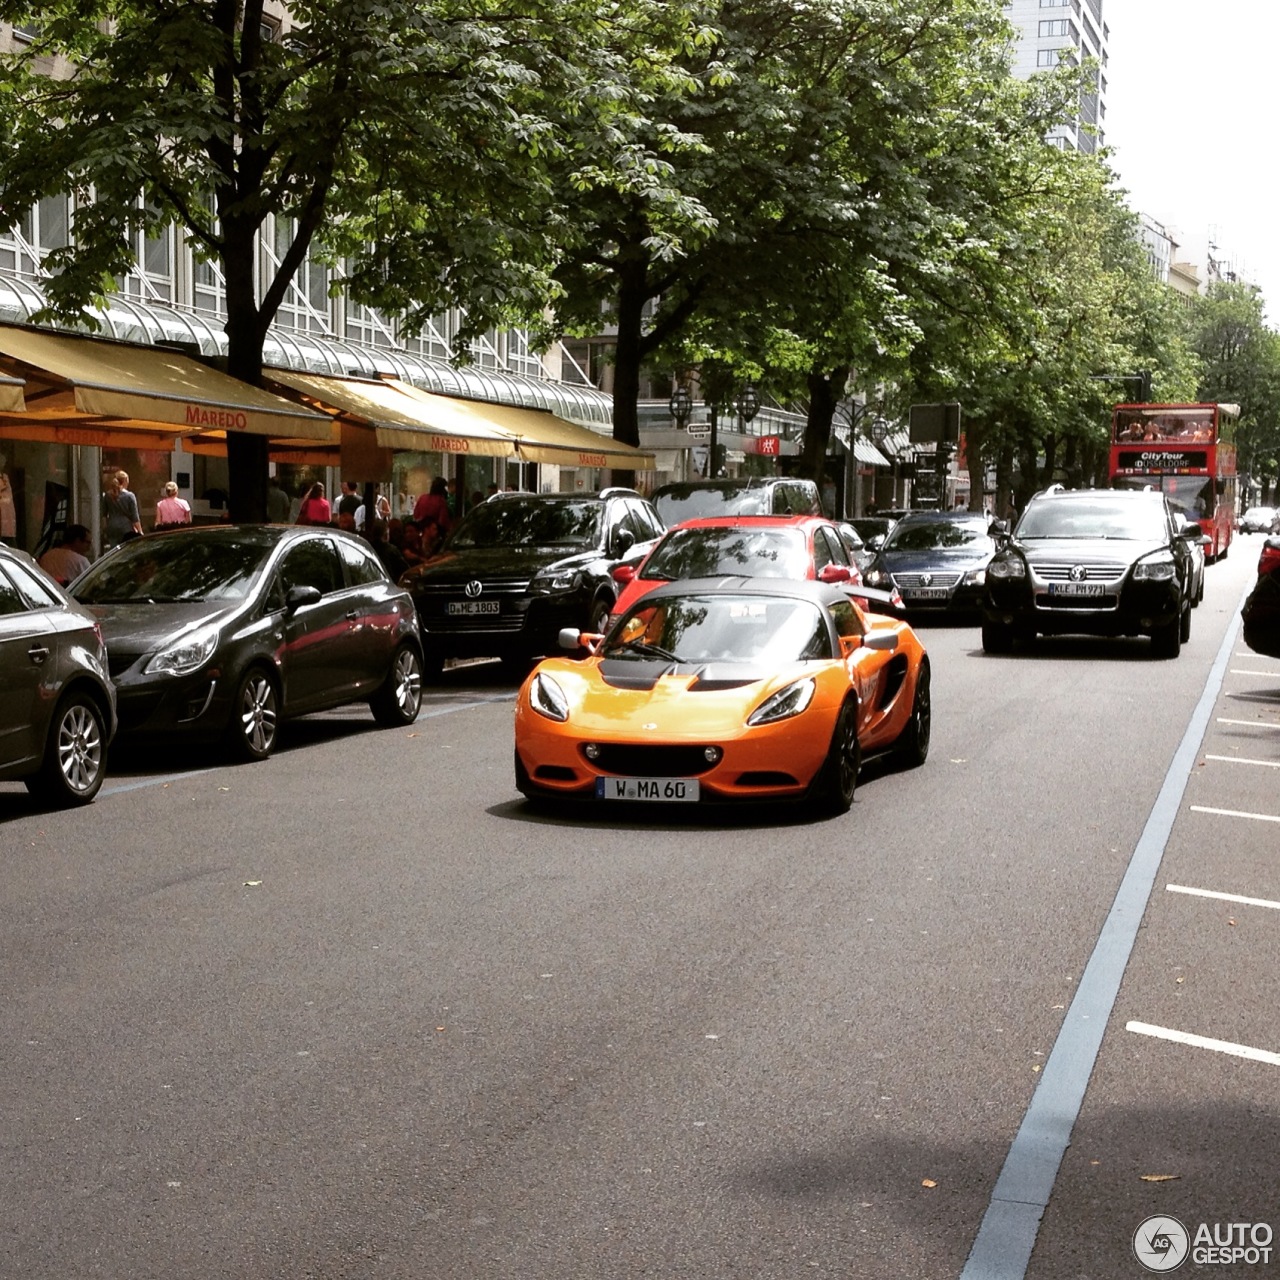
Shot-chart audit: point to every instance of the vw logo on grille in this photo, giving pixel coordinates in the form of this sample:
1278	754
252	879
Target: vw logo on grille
926	579
1077	573
473	588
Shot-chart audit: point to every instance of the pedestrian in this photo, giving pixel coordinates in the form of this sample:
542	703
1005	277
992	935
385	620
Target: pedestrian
433	508
123	518
394	563
70	558
172	512
315	507
278	504
381	510
350	501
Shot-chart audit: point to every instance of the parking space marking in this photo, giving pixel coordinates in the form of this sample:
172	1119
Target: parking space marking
1002	1248
1236	813
1252	724
162	780
1205	1042
1266	764
1236	671
1224	897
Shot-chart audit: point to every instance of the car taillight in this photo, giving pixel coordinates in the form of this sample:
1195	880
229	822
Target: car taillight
1269	560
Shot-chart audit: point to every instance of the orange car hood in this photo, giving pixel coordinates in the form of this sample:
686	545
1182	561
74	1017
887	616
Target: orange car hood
709	699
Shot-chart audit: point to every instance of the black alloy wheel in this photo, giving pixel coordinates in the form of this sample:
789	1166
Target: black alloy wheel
912	748
399	698
75	756
838	777
255	716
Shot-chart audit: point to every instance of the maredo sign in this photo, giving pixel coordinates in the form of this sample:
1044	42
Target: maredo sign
201	415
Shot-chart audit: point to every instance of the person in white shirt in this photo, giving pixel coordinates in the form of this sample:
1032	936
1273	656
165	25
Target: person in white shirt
71	558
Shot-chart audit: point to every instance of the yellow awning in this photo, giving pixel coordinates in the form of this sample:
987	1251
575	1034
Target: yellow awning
11	400
400	421
540	435
71	379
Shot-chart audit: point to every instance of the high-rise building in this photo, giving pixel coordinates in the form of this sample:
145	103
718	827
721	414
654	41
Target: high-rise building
1051	32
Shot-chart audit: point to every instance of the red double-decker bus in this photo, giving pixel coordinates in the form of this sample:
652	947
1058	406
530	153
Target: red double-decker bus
1186	450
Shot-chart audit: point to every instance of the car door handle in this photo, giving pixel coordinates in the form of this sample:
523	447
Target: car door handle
37	653
353	615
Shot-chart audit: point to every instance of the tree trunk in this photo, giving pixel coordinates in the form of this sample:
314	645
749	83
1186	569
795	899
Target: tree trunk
247	455
825	391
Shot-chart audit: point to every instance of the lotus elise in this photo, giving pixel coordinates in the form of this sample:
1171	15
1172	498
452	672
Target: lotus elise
722	690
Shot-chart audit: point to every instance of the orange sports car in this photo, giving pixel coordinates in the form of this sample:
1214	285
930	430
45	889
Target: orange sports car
725	689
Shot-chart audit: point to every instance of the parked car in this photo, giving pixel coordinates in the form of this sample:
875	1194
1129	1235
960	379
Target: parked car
1197	547
1109	562
795	547
1257	520
58	712
747	496
224	631
1261	612
719	690
521	566
873	530
937	559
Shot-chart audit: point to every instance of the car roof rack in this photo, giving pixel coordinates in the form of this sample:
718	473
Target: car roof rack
619	491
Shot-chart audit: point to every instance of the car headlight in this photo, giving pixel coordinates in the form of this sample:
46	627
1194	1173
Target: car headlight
555	582
877	578
784	704
1011	567
1156	568
975	578
185	655
547	698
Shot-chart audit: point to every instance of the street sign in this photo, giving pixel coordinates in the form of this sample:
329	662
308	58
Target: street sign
935	422
699	430
770	446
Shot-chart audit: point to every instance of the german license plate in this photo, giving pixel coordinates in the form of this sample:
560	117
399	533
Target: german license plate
925	593
1076	588
667	790
456	607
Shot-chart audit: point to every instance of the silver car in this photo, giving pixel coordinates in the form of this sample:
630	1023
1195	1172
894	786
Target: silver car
58	712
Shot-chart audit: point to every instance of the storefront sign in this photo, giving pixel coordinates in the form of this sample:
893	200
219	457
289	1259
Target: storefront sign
209	419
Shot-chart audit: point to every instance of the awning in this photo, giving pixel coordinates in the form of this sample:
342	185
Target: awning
91	391
11	400
541	436
867	453
399	417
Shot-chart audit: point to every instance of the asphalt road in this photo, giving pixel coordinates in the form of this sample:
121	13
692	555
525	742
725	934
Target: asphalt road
356	1012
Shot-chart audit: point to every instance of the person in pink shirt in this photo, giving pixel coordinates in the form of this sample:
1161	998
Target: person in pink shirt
171	510
315	507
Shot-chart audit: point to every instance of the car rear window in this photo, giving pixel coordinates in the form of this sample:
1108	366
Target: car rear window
710	553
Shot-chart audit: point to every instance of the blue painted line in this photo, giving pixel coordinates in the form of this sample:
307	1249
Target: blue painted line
1002	1248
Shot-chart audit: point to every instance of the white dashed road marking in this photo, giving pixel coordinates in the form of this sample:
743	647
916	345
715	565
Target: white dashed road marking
1204	1042
1224	897
1236	813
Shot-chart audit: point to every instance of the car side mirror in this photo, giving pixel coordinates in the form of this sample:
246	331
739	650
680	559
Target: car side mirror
623	540
882	641
834	573
876	543
296	597
571	638
623	574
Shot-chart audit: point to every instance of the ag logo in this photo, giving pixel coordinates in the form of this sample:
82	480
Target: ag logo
1161	1243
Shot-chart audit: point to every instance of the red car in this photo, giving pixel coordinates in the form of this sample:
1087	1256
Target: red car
791	547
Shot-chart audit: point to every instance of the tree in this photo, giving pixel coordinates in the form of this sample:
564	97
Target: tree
409	138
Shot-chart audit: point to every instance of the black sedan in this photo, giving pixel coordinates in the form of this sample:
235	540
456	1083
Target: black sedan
224	631
937	560
1261	613
57	713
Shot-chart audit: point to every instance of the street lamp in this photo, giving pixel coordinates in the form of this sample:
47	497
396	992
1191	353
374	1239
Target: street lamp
680	405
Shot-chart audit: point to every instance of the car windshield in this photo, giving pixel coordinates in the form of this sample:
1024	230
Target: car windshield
677	506
521	523
932	535
169	569
708	553
721	628
1099	517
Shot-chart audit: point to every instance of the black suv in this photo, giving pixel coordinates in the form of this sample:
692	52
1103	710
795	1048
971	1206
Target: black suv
746	496
1107	562
520	566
